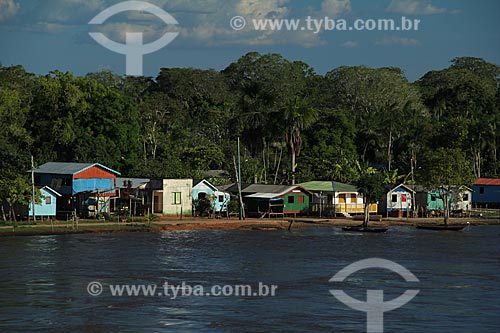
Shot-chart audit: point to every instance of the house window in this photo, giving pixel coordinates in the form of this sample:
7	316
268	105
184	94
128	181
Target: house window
342	198
481	190
176	198
291	199
433	197
353	198
221	198
301	199
465	197
48	200
394	198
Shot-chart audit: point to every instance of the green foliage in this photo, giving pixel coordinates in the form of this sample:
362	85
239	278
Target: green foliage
371	185
445	170
203	206
445	167
186	121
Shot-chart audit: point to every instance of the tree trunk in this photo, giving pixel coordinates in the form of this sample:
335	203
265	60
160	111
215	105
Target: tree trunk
367	212
3	214
278	166
389	148
293	166
12	214
477	163
446	209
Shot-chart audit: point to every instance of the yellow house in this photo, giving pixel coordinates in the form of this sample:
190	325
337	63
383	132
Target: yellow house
331	198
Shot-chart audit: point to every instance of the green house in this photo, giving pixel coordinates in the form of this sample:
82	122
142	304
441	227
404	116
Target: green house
268	200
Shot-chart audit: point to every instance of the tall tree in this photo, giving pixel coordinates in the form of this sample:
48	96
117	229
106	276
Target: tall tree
297	116
371	185
377	99
445	170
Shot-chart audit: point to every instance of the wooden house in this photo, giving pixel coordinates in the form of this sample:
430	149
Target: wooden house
397	201
331	198
48	205
45	206
429	202
131	197
84	187
486	193
275	200
203	189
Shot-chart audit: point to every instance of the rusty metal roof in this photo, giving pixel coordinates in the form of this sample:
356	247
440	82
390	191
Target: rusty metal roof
488	181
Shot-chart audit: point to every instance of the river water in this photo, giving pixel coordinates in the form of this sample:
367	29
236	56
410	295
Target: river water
44	280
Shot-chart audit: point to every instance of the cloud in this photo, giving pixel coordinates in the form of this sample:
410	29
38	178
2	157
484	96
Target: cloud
212	26
8	9
401	41
204	22
350	44
415	7
69	11
333	8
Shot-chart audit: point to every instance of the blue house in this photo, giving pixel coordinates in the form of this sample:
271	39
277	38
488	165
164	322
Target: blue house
85	187
486	193
202	189
47	208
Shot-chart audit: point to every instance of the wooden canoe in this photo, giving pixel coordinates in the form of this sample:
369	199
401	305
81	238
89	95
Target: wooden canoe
441	227
367	229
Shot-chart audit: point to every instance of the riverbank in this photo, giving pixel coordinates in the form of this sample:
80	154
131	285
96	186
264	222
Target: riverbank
173	224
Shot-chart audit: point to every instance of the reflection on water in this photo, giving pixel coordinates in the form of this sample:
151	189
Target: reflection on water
44	279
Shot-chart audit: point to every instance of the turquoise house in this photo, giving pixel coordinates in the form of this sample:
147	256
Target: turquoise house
202	189
47	207
428	201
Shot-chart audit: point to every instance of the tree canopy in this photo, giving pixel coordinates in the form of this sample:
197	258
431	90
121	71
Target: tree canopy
294	124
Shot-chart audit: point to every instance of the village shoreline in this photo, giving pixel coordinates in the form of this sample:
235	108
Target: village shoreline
186	224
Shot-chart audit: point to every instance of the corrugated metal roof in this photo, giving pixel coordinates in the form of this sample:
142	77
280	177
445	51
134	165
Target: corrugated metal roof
66	168
328	186
136	182
271	191
49	189
262	195
392	188
206	182
277	189
487	181
421	188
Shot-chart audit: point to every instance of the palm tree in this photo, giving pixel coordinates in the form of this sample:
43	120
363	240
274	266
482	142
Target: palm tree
297	116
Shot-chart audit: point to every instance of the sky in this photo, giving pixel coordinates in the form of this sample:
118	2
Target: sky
48	35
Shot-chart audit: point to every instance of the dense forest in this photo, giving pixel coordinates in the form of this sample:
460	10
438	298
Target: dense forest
294	124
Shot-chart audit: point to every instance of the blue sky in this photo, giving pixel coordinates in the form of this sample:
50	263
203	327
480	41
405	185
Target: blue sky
46	35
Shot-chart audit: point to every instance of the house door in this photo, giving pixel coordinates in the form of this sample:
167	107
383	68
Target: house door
158	202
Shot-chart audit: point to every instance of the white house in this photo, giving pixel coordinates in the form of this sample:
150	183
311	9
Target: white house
397	200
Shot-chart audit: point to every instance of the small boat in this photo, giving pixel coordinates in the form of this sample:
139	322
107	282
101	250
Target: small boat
441	227
360	228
